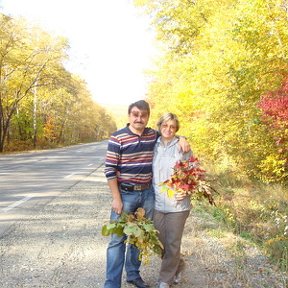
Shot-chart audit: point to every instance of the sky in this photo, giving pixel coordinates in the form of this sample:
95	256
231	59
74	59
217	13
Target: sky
111	42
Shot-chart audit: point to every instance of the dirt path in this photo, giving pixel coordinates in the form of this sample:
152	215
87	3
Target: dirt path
61	246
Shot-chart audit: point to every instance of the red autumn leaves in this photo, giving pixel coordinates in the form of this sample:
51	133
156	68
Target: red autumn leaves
190	178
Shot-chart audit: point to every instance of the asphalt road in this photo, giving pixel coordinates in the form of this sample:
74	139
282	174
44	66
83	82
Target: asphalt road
28	180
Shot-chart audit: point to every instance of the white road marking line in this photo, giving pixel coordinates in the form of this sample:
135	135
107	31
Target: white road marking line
90	164
17	203
70	175
77	173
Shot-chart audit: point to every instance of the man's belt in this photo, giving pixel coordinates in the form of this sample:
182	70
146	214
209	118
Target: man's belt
134	187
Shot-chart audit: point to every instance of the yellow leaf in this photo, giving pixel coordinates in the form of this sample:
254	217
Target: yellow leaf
170	193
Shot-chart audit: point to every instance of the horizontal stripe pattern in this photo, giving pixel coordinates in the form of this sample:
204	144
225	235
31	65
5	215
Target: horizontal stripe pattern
129	156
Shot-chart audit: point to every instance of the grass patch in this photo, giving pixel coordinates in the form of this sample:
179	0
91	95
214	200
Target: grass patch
216	233
255	212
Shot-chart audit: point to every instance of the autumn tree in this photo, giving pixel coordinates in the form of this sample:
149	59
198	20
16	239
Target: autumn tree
28	58
274	108
41	103
215	70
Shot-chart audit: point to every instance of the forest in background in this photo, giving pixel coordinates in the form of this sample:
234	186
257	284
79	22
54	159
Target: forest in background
42	104
224	72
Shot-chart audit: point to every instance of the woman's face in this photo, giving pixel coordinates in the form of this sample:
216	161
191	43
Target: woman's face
168	129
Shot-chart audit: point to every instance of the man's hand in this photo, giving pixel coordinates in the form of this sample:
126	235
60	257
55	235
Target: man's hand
184	144
117	205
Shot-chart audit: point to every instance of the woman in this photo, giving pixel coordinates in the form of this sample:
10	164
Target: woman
170	214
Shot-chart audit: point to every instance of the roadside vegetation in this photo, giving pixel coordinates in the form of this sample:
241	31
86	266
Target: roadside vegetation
226	77
254	211
42	104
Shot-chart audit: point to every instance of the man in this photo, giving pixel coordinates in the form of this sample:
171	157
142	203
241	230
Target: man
128	170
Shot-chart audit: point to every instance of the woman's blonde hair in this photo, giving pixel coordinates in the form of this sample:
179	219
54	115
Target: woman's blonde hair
166	117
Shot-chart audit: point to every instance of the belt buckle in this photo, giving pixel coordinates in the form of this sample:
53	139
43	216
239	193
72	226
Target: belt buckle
137	187
126	187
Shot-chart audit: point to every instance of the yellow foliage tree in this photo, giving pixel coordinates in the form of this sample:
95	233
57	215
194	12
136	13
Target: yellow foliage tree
216	69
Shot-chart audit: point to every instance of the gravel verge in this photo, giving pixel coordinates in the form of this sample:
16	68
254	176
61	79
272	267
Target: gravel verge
61	245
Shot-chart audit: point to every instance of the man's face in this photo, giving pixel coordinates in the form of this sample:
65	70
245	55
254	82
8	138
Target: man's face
138	119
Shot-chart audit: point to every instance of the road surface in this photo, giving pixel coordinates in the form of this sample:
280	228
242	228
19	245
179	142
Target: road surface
28	180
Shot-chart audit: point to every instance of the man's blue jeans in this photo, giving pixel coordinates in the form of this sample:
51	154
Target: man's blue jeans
117	248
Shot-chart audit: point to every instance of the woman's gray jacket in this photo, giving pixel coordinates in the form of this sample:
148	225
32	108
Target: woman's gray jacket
165	158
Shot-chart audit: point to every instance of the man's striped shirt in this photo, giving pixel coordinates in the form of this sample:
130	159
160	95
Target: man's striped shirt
129	156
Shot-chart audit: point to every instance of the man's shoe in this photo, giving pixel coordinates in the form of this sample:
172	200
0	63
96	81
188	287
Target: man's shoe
138	283
163	285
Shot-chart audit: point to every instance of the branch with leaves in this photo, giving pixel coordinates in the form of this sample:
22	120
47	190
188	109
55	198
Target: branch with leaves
140	232
190	178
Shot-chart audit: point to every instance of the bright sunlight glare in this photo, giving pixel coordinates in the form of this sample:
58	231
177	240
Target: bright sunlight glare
111	42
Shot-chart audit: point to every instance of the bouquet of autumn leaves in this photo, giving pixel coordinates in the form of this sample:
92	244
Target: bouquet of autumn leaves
190	178
140	232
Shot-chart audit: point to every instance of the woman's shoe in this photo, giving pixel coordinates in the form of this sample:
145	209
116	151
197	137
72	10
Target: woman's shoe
178	277
181	268
163	285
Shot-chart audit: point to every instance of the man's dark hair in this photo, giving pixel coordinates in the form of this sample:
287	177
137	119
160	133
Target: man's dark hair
141	105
